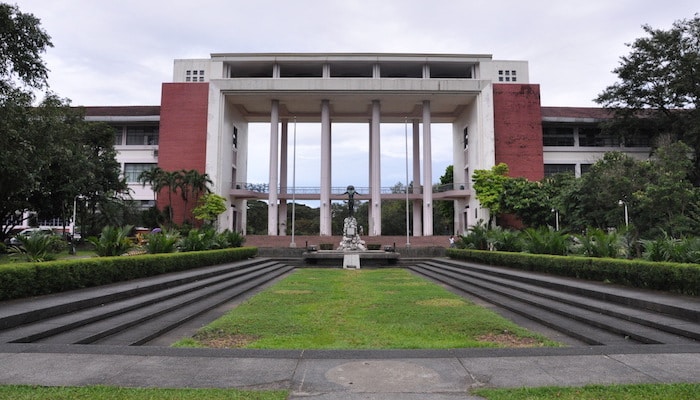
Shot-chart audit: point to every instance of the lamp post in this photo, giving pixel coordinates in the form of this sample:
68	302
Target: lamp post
75	209
627	218
556	219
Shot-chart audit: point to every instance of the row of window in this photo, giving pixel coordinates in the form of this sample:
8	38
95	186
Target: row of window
553	169
508	75
136	135
133	170
589	136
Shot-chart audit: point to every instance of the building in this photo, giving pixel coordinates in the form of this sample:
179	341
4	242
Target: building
494	110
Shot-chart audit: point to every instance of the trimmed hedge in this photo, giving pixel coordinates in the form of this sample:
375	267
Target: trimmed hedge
666	276
34	279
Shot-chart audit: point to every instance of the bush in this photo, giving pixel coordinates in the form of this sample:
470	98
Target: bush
162	242
113	241
233	239
598	243
30	279
545	240
38	247
666	276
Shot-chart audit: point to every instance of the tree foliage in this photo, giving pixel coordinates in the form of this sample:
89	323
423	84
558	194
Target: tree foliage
658	91
22	42
488	185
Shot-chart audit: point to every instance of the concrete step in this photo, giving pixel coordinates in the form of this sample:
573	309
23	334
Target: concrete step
578	330
22	311
684	307
563	295
145	308
518	297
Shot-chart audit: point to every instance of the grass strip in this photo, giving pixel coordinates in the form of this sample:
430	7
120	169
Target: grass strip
674	391
365	309
25	392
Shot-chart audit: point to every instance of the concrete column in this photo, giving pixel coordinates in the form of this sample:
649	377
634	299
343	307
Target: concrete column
274	148
284	151
427	173
417	209
325	217
375	172
370	224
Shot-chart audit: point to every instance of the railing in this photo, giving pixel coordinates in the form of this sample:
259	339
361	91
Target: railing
365	190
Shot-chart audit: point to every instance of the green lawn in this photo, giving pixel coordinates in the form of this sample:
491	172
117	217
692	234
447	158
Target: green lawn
365	309
677	391
115	393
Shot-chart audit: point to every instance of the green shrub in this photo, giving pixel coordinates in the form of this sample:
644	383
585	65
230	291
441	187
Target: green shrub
31	279
232	239
38	247
545	240
113	241
501	239
477	238
598	243
198	240
162	242
666	276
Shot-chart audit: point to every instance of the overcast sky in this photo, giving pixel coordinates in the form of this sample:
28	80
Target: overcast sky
118	52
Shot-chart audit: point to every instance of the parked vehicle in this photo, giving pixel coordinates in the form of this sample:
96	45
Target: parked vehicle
30	231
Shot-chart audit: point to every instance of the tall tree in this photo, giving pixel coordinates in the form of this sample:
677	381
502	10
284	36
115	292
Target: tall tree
488	186
658	90
22	42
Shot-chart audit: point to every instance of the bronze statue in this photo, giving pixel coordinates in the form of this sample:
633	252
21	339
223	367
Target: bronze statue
350	191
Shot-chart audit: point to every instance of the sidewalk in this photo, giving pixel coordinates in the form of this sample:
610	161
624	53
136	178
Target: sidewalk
362	374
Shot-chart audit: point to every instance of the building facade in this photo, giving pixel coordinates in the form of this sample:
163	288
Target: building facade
494	111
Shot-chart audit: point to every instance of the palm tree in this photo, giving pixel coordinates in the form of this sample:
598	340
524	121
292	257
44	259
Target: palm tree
170	180
154	178
195	183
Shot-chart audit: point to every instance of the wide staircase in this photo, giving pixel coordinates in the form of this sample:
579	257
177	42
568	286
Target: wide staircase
593	313
135	312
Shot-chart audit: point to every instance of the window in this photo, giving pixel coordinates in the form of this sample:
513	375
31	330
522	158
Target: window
466	137
132	171
141	135
508	75
118	136
557	136
235	138
593	137
553	169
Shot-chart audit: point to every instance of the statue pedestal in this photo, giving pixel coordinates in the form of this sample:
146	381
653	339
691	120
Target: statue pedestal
351	260
351	238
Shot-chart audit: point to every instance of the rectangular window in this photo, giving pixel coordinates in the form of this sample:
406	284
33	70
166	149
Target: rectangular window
133	170
557	136
118	136
141	135
593	137
553	169
466	137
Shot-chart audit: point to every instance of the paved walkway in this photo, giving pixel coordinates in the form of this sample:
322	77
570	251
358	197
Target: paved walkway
367	374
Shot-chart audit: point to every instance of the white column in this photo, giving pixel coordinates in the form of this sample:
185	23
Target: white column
427	173
284	150
325	217
375	172
370	223
272	196
417	209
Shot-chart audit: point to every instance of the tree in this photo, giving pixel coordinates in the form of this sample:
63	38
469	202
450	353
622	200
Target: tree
594	200
444	210
488	185
22	42
658	90
210	206
192	184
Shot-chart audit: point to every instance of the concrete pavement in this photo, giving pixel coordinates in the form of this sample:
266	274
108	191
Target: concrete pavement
360	374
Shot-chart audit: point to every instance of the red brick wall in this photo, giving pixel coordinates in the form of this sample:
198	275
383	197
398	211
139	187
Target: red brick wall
518	129
183	134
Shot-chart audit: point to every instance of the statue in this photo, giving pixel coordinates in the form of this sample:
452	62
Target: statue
351	238
350	191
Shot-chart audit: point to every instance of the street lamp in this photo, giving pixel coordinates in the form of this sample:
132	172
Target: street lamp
556	219
627	218
75	208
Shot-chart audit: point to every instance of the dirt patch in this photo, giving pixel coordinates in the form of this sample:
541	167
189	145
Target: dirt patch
293	291
222	341
441	302
507	339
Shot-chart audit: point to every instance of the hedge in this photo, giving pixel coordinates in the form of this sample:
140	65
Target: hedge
35	279
666	276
